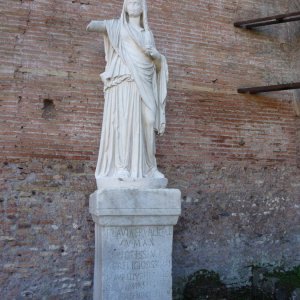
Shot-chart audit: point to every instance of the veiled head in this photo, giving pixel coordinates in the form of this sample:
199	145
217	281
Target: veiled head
134	8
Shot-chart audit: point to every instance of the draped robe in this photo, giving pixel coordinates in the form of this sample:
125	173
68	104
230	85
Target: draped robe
134	92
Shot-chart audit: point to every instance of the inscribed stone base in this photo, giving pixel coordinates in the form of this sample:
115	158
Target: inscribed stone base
133	250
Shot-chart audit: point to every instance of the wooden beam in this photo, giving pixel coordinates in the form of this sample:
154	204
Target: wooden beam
277	19
270	88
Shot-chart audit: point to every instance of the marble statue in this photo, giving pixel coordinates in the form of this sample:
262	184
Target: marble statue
135	90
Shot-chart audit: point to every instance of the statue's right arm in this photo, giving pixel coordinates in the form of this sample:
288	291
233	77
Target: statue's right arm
98	26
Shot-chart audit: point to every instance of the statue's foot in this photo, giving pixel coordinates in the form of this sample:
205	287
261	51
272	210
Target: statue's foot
122	173
154	173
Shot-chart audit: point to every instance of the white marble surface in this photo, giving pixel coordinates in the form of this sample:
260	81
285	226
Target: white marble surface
135	89
137	183
134	235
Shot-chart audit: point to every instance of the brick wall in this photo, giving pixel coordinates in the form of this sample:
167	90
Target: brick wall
47	235
234	157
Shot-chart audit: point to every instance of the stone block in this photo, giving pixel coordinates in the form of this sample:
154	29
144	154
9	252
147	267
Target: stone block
133	243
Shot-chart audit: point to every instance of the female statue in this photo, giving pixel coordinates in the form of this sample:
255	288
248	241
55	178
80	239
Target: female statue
135	89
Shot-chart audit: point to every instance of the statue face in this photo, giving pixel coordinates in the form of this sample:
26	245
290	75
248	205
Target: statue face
134	8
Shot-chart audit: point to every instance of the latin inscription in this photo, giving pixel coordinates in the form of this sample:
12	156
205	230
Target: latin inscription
138	262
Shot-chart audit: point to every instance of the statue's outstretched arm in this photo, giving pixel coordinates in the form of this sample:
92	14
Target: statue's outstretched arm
98	26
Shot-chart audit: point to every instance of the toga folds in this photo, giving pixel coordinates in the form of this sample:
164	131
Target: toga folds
133	89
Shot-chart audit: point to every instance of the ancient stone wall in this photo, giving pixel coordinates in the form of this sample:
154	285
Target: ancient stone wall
234	157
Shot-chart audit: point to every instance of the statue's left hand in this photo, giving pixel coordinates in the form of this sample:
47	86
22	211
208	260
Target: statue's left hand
153	53
155	56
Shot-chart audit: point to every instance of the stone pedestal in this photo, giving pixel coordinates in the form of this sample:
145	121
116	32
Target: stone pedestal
133	247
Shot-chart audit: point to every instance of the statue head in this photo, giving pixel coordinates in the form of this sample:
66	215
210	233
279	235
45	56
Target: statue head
134	8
